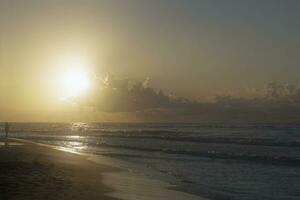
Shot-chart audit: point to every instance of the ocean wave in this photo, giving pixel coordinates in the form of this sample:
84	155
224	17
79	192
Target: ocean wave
194	139
213	154
220	140
90	142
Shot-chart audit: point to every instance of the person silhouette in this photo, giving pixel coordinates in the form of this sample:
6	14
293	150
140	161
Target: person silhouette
6	128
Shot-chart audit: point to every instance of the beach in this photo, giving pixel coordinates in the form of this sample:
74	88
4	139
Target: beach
30	171
150	161
157	161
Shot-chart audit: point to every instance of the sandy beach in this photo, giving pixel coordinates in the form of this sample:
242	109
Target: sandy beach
29	171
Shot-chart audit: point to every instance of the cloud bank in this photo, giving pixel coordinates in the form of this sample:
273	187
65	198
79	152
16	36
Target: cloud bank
280	103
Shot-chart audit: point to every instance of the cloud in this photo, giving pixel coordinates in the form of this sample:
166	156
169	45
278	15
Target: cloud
280	103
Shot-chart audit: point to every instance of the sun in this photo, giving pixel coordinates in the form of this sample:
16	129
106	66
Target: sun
76	82
73	77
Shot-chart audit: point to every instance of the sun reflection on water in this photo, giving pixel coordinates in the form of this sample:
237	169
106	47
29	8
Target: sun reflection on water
74	137
74	145
79	127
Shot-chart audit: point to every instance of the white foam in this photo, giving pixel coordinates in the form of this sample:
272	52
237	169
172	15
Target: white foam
10	143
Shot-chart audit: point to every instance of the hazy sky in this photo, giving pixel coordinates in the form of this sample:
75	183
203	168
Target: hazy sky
192	48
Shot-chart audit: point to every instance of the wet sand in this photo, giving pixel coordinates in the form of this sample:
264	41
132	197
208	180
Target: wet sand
30	171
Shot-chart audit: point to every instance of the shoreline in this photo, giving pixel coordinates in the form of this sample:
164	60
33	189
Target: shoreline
29	171
101	175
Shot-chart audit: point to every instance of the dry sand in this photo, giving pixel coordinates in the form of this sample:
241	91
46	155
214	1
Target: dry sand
30	171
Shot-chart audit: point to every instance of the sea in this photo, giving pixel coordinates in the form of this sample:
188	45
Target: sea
219	161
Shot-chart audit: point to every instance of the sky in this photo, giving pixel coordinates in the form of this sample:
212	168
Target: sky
194	49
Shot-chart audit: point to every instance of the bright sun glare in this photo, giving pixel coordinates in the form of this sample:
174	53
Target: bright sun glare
74	79
76	82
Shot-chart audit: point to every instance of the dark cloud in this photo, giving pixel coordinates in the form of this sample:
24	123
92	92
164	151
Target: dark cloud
280	103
